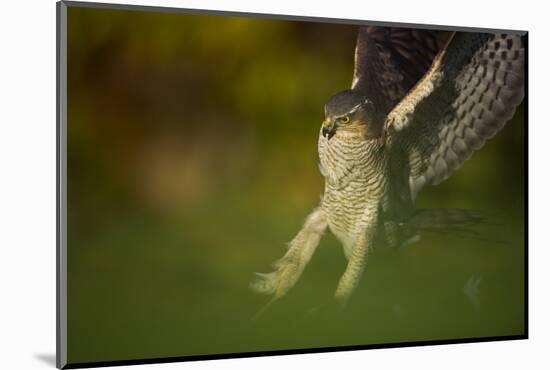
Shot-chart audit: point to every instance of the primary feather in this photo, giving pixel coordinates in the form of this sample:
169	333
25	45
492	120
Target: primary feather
473	87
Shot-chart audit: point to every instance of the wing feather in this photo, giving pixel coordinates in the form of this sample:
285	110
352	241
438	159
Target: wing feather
471	90
389	61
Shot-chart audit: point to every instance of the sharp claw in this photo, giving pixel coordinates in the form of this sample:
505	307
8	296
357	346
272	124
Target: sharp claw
471	289
264	308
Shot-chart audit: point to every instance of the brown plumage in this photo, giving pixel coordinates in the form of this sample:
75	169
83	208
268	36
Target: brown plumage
410	119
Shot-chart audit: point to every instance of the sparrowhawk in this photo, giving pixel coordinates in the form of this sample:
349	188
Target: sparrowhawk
417	108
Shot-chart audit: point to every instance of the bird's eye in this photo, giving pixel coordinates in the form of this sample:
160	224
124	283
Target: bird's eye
344	119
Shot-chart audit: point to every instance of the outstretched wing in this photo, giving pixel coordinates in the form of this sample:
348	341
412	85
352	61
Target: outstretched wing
389	61
473	87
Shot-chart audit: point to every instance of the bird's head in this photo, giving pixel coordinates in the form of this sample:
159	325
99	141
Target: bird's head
350	111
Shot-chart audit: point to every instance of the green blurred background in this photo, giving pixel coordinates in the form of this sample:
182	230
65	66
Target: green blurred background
192	160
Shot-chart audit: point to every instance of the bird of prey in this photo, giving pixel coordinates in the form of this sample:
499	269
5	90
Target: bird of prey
417	108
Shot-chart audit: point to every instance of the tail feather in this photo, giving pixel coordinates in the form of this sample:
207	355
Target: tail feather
452	221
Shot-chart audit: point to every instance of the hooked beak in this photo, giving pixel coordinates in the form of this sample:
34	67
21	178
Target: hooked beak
329	128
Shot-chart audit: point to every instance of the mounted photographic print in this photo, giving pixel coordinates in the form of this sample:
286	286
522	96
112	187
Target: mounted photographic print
237	184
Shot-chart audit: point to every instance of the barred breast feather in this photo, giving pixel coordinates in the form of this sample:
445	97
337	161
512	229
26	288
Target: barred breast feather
354	183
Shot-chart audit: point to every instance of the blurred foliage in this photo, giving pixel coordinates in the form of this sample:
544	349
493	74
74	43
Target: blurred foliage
192	160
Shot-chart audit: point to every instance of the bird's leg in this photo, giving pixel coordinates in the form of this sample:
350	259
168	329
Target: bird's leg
391	231
289	268
357	259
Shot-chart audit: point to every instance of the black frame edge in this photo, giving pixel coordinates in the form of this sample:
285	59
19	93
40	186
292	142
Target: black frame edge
290	352
526	184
